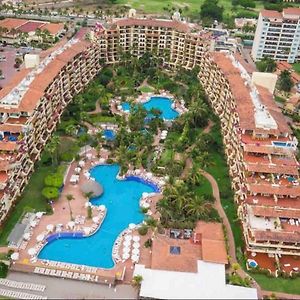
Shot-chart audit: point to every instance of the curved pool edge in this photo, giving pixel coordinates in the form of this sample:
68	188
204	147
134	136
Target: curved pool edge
136	178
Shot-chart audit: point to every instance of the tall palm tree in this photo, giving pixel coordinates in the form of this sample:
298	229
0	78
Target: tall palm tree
198	207
52	148
70	197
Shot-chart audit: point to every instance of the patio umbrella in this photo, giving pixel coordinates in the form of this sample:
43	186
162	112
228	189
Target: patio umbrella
15	256
125	255
136	238
145	205
102	160
40	237
135	258
81	163
135	251
71	224
89	155
31	251
87	230
26	236
127	243
131	226
58	229
102	207
33	223
128	237
144	195
96	219
137	171
50	227
87	204
126	250
92	187
136	245
39	214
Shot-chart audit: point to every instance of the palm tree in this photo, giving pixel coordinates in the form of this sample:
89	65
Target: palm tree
195	178
137	281
70	197
198	207
52	149
152	224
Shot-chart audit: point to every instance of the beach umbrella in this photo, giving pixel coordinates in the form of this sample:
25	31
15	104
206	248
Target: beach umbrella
15	256
102	207
135	258
87	230
58	229
127	243
145	205
125	255
126	250
92	187
137	171
144	195
87	204
136	245
81	163
31	251
39	214
33	223
40	237
26	236
128	237
96	219
71	224
89	155
136	238
102	160
50	227
132	226
135	251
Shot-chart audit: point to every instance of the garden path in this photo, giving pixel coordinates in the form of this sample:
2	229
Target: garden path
231	243
97	109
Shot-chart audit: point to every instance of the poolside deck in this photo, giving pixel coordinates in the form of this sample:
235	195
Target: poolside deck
62	215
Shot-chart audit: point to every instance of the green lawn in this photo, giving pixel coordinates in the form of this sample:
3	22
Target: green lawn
290	286
296	67
189	7
31	199
98	118
146	89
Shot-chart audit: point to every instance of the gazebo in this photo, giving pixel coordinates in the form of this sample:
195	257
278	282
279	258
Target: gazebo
92	187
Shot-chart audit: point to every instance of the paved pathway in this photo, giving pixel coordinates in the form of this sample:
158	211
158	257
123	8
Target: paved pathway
231	243
58	288
97	109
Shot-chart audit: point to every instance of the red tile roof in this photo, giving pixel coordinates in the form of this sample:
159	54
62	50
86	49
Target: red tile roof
180	26
267	211
53	28
30	26
293	191
277	236
292	11
271	14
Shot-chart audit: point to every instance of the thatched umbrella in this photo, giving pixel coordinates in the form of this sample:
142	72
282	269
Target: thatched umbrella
92	187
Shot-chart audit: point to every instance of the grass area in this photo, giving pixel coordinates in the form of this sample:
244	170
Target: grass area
280	99
146	89
167	156
219	170
98	118
290	286
296	67
188	7
205	187
31	200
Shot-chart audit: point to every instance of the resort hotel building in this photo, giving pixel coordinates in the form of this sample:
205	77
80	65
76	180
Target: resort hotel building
278	35
259	145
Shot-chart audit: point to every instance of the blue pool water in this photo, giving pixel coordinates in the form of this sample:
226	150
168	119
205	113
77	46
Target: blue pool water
164	104
121	199
252	264
282	144
109	134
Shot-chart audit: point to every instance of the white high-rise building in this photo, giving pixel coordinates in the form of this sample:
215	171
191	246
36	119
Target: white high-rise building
278	35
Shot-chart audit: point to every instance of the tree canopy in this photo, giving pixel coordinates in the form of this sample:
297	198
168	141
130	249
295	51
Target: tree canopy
50	193
285	82
266	64
211	10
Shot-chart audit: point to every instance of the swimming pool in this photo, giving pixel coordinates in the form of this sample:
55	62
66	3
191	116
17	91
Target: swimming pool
109	134
282	144
164	104
121	198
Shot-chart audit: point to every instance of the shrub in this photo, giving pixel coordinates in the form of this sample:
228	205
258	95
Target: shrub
55	180
50	193
148	243
3	270
143	230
